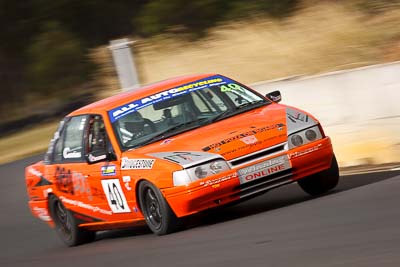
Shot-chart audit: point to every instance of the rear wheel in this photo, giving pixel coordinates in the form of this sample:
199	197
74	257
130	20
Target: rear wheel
158	215
321	182
66	225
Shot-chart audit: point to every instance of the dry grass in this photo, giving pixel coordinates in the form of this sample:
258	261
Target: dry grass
27	142
105	77
322	38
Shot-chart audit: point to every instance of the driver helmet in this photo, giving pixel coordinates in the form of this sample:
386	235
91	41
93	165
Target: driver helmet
133	122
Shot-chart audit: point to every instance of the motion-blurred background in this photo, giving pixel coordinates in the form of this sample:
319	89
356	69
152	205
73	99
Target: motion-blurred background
54	55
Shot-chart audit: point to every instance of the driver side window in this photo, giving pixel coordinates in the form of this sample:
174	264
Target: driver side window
97	137
97	141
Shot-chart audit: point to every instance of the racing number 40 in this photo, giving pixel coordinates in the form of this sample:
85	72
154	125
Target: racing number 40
115	196
231	86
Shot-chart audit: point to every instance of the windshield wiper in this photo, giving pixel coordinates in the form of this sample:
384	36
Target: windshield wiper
239	109
225	114
254	104
167	133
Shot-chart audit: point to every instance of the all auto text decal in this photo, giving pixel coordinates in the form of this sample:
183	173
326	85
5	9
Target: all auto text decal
126	109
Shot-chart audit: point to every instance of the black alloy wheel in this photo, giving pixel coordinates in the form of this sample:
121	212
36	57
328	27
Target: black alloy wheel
66	225
158	214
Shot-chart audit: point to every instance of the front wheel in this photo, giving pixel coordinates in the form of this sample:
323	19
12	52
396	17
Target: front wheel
66	225
321	182
158	215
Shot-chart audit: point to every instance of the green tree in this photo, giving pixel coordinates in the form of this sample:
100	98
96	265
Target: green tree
157	16
44	42
57	61
197	16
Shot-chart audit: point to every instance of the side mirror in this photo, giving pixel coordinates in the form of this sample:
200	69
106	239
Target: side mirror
275	96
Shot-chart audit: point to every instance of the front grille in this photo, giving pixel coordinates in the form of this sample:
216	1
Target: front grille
257	155
264	184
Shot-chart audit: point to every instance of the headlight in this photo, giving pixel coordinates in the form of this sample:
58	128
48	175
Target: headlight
198	172
296	140
304	137
311	135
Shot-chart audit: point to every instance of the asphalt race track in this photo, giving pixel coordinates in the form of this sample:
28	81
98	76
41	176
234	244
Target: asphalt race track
358	224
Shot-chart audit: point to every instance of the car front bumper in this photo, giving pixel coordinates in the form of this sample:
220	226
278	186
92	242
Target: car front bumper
232	186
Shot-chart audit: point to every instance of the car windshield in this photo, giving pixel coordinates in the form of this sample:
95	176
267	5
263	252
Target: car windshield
181	109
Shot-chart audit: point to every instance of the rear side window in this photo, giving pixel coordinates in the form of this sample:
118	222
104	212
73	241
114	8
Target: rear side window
68	147
73	139
54	145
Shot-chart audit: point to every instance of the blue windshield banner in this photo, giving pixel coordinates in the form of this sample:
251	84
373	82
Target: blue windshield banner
136	105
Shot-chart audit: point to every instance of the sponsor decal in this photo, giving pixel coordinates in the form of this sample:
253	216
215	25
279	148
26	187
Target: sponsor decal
35	172
127	180
80	204
64	180
96	158
241	148
243	135
137	164
304	152
124	110
186	158
42	214
297	117
108	170
216	181
72	183
249	139
297	120
71	154
115	196
263	169
179	156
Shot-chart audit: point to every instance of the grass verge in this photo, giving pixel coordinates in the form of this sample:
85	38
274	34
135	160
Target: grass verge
28	142
320	38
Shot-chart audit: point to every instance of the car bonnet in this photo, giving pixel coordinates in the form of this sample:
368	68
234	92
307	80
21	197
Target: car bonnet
236	136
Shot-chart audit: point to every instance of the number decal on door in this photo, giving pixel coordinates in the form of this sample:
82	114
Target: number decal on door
115	196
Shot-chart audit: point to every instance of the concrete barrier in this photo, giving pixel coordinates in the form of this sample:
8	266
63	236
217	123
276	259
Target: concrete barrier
359	109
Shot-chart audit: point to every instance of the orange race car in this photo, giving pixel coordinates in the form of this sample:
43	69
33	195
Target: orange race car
171	149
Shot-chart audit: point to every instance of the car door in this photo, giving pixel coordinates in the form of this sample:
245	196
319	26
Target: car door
86	173
67	166
103	172
75	180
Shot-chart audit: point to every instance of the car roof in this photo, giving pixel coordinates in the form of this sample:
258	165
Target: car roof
137	93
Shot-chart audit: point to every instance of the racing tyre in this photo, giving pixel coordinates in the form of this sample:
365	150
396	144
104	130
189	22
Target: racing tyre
158	214
321	182
66	225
